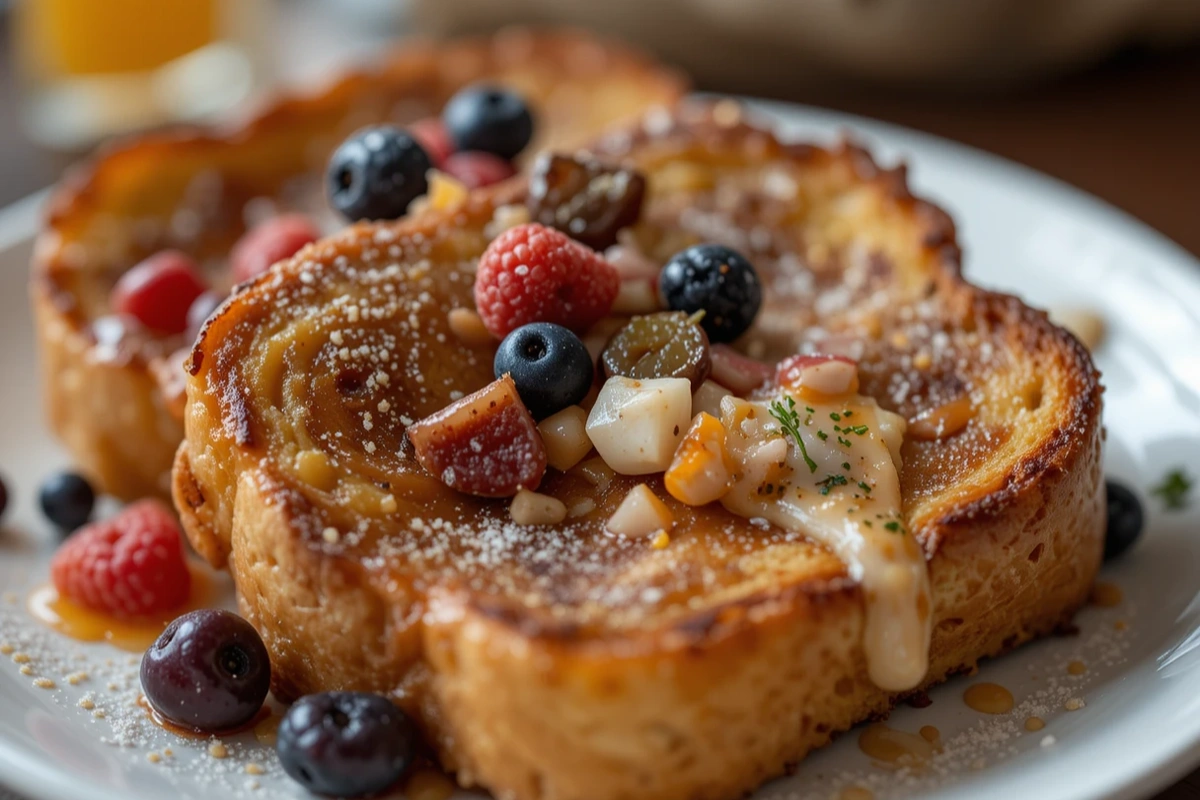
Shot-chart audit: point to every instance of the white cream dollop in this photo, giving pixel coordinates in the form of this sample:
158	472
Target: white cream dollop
840	486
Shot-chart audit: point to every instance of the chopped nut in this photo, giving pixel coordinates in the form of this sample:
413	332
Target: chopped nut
218	750
468	326
1074	704
585	506
44	683
660	540
153	757
636	297
565	437
641	514
1086	325
531	508
87	704
331	535
20	658
701	471
637	424
388	504
596	472
707	399
255	769
26	670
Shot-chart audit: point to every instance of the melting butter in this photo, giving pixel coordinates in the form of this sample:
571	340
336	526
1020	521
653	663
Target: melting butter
842	489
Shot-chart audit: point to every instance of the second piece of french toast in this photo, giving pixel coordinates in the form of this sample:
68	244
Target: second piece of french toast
564	661
111	387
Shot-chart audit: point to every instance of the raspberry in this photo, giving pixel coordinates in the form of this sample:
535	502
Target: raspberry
532	273
159	291
274	240
129	566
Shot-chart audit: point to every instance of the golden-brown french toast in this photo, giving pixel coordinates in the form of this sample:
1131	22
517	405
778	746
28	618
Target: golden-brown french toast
567	662
113	392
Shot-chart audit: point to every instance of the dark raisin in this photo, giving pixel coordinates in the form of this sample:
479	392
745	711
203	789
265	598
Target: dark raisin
1125	520
587	200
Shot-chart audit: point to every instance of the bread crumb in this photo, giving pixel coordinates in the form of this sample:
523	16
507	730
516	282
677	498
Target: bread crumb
99	713
26	670
44	683
153	757
255	769
388	504
218	750
20	658
76	678
87	704
6	649
1074	704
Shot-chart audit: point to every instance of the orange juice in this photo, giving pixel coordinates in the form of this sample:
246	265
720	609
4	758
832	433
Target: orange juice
86	37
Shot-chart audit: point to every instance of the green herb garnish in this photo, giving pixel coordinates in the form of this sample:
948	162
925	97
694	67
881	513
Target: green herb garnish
1174	490
830	482
822	435
859	429
787	418
893	526
866	487
835	416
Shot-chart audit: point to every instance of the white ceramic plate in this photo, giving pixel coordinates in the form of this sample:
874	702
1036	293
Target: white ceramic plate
1140	727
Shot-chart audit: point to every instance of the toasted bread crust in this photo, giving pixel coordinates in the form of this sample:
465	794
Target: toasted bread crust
109	408
707	702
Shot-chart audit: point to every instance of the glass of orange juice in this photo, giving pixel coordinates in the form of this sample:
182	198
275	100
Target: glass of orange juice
94	68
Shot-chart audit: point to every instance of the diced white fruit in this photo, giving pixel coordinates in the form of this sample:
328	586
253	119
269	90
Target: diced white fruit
565	437
707	398
701	471
637	424
532	508
640	514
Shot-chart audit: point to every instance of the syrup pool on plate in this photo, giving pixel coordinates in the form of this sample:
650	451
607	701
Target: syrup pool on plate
132	635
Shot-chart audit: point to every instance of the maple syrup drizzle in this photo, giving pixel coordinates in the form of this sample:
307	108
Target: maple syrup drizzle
132	635
1076	668
988	698
930	734
1106	595
900	748
188	732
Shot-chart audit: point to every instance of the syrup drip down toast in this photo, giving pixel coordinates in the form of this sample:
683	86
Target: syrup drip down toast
709	651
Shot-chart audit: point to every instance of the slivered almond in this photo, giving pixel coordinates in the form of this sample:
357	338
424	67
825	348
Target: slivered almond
468	326
941	421
708	398
531	508
565	437
640	514
701	470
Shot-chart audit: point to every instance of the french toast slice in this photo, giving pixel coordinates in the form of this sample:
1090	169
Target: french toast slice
568	663
113	395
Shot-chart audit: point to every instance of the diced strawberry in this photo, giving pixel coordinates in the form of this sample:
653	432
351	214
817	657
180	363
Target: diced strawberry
824	374
159	291
736	372
431	134
129	566
532	273
274	240
475	169
485	444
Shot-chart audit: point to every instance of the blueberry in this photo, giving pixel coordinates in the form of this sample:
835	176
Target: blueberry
490	119
548	363
1125	520
209	670
717	280
346	744
3	497
67	500
376	173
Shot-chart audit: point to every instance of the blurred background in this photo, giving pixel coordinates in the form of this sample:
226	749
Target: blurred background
1102	93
